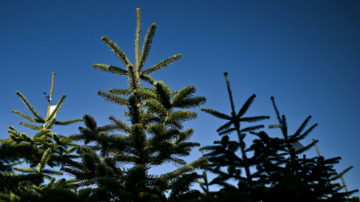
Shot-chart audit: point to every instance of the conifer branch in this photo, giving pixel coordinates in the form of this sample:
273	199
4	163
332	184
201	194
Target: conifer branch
182	115
341	174
43	161
184	135
190	102
276	110
137	40
25	170
52	172
110	68
307	131
27	104
224	127
227	132
251	128
164	93
52	85
254	118
146	46
27	117
120	91
183	93
147	78
156	106
302	126
120	124
117	50
114	98
246	106
145	93
26	138
216	113
90	122
31	126
162	64
67	122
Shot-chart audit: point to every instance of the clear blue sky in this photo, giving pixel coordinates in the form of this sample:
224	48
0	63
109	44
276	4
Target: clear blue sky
304	53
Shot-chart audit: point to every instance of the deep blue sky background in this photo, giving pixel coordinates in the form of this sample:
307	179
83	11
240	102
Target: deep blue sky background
304	53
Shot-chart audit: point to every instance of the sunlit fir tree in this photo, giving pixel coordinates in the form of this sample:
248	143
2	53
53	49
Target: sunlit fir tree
154	136
44	149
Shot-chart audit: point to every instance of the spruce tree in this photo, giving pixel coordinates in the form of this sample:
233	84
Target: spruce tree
151	112
45	148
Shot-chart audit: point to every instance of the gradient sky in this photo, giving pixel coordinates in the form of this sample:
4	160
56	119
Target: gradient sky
304	53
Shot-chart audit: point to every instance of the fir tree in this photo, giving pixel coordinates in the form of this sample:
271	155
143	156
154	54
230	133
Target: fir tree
151	112
302	179
223	154
340	175
294	182
45	148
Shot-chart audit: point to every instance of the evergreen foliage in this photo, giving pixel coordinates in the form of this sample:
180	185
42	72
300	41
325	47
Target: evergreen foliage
340	175
300	179
155	135
45	148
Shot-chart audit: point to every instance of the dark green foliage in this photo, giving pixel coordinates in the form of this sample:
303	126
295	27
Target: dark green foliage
226	148
300	179
155	136
45	148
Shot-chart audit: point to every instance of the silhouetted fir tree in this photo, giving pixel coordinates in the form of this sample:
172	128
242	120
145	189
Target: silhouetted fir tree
340	175
312	175
151	111
337	176
223	154
45	148
294	182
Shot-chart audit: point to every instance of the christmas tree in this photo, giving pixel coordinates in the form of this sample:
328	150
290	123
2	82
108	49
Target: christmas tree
44	149
223	154
152	112
294	182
